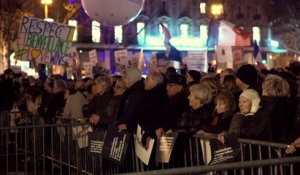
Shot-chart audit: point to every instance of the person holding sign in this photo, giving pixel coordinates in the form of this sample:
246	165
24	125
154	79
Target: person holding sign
96	110
130	101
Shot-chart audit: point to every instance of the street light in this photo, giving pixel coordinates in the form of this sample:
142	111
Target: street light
216	9
46	3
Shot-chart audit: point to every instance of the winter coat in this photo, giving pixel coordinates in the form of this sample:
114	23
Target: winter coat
55	106
193	120
98	105
151	109
174	108
281	114
129	106
221	122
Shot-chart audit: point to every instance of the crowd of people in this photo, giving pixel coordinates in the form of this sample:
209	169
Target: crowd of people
253	104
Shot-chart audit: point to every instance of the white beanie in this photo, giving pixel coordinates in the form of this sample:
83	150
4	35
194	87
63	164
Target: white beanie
133	75
254	97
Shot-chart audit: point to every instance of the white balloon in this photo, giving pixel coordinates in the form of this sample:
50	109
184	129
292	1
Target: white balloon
113	12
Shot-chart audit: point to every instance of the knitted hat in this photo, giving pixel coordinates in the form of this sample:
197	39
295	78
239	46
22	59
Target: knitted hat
196	76
247	74
177	79
133	75
253	96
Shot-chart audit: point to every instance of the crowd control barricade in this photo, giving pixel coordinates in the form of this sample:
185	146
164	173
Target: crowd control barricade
60	148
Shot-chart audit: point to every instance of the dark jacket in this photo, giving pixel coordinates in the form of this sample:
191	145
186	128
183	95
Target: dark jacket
7	94
98	105
174	108
193	120
129	106
257	127
220	122
281	113
55	106
151	109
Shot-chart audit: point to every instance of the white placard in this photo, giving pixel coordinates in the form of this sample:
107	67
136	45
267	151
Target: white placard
87	66
93	57
197	61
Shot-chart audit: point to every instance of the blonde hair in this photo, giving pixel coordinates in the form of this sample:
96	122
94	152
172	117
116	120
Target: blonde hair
105	82
274	85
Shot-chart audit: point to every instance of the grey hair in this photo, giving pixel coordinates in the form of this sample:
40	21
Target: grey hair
202	92
157	77
61	84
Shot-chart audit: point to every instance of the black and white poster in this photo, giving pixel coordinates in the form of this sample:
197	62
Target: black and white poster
96	142
164	147
227	152
115	145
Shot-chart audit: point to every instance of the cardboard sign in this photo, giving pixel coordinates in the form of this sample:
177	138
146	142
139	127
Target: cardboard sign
121	61
93	57
227	152
224	56
115	145
44	41
197	61
96	142
141	151
164	147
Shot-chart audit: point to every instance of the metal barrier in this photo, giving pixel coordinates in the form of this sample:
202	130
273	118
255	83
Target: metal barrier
56	149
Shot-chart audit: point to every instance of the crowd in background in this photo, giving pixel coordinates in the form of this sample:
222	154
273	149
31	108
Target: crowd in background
254	104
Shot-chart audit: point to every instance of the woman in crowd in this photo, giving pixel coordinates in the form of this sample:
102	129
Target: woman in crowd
96	110
224	109
130	101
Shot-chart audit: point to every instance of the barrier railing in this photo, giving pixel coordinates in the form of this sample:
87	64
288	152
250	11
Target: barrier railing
61	149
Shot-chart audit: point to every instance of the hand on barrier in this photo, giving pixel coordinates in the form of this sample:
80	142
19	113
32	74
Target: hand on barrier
122	127
94	119
159	132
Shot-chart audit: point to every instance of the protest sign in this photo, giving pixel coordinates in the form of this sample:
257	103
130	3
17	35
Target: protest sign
143	152
227	152
115	145
197	61
96	142
164	147
93	57
44	41
224	57
121	61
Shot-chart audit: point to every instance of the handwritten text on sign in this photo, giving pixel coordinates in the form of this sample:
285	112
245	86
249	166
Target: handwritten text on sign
46	42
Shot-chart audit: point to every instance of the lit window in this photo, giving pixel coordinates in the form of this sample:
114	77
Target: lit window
118	34
96	32
74	23
202	7
256	34
184	29
203	34
140	27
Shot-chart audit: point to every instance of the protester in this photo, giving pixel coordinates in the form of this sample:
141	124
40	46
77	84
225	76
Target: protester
246	77
130	101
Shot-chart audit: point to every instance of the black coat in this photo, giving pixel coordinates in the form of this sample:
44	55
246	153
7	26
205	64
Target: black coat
151	109
55	106
220	123
129	106
174	108
98	105
281	113
257	127
7	94
193	120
